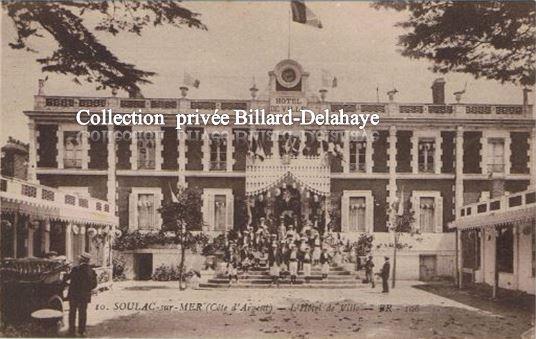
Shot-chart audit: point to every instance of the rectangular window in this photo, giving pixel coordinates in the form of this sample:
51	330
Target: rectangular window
146	211
496	155
357	222
218	152
146	150
505	249
358	151
72	149
220	212
426	155
427	214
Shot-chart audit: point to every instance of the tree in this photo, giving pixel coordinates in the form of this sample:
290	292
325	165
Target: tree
78	52
490	39
401	220
180	217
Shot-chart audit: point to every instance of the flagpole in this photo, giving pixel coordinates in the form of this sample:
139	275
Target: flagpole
289	19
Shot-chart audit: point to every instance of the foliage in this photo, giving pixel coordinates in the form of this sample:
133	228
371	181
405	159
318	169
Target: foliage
363	245
216	247
169	273
118	269
490	39
138	240
79	53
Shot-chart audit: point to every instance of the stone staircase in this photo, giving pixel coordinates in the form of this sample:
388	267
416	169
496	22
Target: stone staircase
338	277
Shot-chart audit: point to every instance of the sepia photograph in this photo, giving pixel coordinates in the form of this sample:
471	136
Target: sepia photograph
268	169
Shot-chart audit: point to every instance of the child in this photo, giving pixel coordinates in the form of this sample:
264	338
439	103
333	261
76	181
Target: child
232	270
324	262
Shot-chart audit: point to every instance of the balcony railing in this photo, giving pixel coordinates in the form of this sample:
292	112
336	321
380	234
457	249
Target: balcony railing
66	205
501	204
484	111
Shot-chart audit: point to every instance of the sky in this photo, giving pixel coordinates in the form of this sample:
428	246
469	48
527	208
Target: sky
244	41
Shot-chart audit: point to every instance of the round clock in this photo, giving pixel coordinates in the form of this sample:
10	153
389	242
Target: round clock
288	76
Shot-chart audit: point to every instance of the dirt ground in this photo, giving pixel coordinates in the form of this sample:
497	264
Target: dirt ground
411	310
407	312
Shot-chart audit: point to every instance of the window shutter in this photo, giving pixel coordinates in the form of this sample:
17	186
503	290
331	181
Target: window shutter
132	211
438	215
345	209
230	209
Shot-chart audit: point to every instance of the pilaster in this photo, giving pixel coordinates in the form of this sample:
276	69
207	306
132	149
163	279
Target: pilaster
392	165
32	161
229	150
206	150
59	146
111	178
346	152
69	242
369	164
458	190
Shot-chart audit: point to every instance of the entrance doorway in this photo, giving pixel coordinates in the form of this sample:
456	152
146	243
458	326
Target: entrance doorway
427	267
143	266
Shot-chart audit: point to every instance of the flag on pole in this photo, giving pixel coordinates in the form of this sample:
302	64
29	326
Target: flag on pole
191	81
173	196
303	15
328	80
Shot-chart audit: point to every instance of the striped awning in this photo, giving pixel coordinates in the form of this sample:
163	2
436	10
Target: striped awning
513	217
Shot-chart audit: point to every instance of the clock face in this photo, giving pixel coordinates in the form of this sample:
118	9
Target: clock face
288	75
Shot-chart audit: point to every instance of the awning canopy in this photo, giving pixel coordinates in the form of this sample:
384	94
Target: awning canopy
311	173
513	217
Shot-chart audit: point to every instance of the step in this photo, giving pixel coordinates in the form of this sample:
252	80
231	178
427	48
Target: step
282	285
269	281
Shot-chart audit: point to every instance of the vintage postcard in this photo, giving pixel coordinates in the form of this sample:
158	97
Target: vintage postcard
268	169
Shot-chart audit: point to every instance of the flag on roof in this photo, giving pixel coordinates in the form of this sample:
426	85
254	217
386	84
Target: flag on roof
303	15
191	81
328	80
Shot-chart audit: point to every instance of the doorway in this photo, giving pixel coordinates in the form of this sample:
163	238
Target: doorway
427	267
143	266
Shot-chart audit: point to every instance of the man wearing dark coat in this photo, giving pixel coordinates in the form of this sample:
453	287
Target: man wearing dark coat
83	280
385	275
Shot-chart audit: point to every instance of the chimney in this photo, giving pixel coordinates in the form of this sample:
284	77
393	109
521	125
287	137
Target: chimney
323	94
438	91
184	91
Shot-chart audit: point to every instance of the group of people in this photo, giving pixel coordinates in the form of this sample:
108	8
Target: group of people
384	273
283	249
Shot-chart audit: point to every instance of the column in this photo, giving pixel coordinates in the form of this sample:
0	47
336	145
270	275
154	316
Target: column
68	242
134	149
32	164
206	150
59	146
30	236
392	165
182	137
158	138
369	163
45	245
438	163
346	152
459	171
229	149
85	147
414	140
112	159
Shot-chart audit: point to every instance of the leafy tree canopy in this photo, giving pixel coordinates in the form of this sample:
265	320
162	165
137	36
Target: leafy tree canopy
490	39
78	52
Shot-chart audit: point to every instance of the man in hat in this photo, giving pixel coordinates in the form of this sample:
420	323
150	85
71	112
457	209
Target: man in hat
385	275
83	280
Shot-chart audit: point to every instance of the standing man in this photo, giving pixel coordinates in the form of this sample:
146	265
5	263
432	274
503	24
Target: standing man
83	280
385	275
369	265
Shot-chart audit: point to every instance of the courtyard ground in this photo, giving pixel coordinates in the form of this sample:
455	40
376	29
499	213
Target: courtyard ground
160	309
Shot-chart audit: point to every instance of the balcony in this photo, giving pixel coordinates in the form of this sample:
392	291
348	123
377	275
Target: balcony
39	201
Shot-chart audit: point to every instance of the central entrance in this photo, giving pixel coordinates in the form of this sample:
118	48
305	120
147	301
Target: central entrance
294	191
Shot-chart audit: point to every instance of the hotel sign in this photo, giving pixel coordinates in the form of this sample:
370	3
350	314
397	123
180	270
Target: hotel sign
282	103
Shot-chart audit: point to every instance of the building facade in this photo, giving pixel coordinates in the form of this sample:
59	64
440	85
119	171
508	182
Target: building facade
497	242
434	157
